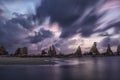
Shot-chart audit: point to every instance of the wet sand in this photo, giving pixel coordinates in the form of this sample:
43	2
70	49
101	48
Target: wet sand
25	61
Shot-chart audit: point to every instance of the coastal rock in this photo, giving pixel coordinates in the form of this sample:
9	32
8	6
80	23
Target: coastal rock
109	51
52	51
21	51
43	53
78	51
94	50
118	50
3	51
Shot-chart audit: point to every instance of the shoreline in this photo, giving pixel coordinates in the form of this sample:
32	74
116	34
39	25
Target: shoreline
26	61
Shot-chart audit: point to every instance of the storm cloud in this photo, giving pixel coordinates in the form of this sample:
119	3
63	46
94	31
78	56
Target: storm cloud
59	22
71	15
41	35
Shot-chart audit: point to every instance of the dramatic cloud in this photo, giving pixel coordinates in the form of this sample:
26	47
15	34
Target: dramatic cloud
11	35
108	40
41	35
71	15
15	27
38	24
24	20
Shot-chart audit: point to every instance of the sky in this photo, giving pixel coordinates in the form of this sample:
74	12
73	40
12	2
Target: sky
67	24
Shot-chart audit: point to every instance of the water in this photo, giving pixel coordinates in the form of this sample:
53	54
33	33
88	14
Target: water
99	68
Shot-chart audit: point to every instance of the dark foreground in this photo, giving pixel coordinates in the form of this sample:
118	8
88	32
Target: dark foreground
88	68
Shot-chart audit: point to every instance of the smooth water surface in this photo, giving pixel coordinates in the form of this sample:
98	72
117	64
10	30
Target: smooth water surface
97	68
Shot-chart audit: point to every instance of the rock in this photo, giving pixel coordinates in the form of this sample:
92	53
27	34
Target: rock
3	51
52	51
94	50
43	53
78	51
109	51
21	51
118	50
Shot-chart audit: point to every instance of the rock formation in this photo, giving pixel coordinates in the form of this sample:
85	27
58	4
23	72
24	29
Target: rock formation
43	53
118	50
94	50
21	51
78	51
109	51
52	51
3	51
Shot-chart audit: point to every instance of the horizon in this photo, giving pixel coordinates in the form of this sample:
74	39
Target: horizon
37	24
59	52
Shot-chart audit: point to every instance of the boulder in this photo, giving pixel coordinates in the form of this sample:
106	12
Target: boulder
94	50
3	50
118	50
21	51
109	51
43	53
52	51
78	51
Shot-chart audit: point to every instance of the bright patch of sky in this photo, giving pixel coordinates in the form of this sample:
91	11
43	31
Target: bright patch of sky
20	7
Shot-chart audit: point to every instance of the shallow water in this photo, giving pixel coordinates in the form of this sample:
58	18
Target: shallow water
97	68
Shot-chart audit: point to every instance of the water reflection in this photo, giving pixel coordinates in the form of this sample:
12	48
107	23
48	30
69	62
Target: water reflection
101	68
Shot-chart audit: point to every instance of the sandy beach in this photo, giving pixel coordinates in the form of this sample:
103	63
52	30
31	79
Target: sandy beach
25	61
